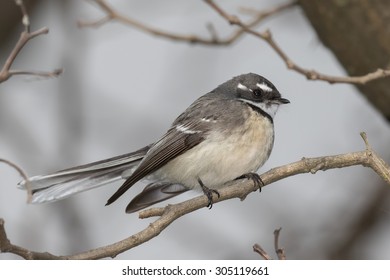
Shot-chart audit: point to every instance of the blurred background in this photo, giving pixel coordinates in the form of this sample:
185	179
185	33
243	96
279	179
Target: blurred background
122	88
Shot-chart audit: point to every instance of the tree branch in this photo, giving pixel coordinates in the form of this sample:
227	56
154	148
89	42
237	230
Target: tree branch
25	36
111	14
280	252
310	74
24	176
237	189
214	40
258	249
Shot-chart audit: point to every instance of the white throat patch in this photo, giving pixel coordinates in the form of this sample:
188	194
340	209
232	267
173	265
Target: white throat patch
269	108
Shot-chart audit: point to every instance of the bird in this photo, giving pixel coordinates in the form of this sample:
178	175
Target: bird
224	135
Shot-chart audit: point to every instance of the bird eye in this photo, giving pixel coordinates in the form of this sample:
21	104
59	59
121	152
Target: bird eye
257	92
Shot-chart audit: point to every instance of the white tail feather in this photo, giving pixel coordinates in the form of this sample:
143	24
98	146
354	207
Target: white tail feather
62	184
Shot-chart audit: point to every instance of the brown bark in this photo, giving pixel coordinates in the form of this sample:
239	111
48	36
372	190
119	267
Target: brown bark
358	33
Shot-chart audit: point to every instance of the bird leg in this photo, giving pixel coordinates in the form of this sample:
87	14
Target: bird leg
208	192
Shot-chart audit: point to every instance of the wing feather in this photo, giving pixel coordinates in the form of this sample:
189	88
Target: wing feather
154	193
171	145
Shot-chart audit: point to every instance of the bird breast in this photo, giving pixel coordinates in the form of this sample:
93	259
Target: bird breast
224	155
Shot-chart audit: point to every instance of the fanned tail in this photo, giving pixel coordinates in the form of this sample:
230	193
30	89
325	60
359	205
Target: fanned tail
64	183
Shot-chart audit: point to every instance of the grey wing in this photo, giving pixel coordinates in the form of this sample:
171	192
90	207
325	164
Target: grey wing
154	193
64	183
172	144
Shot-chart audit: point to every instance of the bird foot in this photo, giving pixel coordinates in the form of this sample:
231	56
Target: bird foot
209	193
255	178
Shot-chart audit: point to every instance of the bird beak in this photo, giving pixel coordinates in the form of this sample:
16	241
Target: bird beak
283	101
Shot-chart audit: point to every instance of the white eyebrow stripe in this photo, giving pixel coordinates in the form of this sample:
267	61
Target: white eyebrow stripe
241	86
264	87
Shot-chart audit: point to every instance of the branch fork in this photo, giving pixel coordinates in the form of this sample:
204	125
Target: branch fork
24	38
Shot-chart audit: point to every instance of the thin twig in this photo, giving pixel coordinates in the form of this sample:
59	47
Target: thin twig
25	19
112	14
215	40
279	251
258	249
55	73
24	176
25	36
310	74
237	189
7	247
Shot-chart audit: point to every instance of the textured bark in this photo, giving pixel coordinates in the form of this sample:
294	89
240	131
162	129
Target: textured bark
358	33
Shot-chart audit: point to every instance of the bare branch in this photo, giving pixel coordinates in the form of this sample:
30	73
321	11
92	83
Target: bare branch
258	249
7	247
215	40
25	19
237	189
25	36
112	14
279	251
310	74
55	73
24	176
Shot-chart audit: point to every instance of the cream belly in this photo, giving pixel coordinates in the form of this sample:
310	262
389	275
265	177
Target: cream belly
218	159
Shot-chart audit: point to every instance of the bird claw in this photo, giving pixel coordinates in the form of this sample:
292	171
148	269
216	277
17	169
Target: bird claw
255	178
209	193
